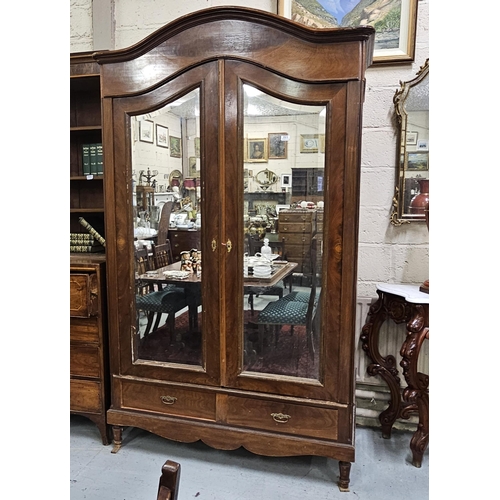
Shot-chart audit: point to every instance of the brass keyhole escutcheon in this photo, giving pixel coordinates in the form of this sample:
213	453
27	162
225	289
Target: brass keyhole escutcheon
214	245
228	245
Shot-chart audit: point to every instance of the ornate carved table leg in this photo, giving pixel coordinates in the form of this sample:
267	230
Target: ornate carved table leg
117	438
383	366
417	390
345	472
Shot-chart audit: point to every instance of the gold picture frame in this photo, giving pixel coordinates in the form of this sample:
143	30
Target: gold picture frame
309	143
393	43
256	150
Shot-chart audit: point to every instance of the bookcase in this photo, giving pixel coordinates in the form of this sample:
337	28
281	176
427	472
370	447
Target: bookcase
86	174
307	184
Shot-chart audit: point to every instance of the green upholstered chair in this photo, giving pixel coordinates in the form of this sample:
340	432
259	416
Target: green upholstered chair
294	309
156	302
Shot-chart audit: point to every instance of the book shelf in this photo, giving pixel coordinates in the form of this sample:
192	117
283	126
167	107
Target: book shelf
86	177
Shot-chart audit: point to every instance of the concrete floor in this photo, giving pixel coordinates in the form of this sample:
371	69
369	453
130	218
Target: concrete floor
382	470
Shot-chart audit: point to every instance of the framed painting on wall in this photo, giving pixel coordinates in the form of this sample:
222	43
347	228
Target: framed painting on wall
161	136
395	22
146	131
256	151
418	161
175	147
278	143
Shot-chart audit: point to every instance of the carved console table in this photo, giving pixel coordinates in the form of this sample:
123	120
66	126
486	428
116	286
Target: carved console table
403	304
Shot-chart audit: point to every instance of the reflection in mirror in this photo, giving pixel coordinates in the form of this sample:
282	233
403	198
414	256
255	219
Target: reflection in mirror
412	181
283	236
166	191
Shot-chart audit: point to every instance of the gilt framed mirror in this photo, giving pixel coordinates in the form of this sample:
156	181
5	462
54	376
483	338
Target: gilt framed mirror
411	196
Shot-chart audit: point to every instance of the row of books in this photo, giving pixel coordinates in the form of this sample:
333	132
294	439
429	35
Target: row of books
92	158
84	243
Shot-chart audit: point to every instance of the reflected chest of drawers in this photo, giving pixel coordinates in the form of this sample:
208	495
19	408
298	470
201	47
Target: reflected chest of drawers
297	227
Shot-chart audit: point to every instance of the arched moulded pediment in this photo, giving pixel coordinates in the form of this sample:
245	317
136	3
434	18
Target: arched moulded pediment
233	33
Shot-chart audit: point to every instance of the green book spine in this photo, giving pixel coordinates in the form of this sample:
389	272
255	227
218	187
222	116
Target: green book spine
93	159
100	166
86	159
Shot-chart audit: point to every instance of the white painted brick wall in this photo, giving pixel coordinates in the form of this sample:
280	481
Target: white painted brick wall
81	25
386	253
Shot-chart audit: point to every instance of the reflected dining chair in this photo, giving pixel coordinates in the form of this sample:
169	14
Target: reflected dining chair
154	303
294	309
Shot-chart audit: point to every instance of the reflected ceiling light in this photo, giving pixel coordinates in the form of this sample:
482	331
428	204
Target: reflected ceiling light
251	91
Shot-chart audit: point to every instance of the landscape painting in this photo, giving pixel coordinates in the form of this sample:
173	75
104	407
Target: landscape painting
394	21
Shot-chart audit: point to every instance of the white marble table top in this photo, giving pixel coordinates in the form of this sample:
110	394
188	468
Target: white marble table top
411	293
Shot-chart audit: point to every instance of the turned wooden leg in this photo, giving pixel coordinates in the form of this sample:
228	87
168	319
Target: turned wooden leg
345	472
383	366
417	391
117	438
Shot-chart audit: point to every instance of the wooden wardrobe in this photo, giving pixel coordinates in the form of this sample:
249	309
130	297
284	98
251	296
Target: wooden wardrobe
217	81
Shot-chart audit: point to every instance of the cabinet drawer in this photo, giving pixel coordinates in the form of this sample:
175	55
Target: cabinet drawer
83	295
85	361
295	227
85	396
302	239
296	217
279	416
85	330
170	400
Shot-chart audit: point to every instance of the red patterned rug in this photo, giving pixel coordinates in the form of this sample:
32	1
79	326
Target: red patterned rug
285	354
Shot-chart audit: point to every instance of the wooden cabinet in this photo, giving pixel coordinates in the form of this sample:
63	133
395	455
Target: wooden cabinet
297	227
86	175
225	376
89	368
183	241
307	184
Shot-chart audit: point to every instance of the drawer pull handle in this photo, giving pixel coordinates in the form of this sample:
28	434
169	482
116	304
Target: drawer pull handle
168	400
281	418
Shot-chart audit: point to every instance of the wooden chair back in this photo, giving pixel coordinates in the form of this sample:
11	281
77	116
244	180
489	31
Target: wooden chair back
162	254
164	222
168	489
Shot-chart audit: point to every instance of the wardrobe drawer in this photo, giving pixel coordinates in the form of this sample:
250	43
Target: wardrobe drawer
170	400
85	361
84	330
85	396
279	416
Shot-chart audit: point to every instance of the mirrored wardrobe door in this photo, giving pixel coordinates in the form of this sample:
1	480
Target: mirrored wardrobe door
161	138
283	169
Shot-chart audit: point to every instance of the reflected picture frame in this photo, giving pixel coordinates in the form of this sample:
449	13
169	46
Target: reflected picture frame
278	145
392	45
286	180
161	136
411	138
146	131
256	150
309	143
417	161
175	146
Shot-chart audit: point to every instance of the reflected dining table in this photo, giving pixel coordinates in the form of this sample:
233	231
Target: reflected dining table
191	281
